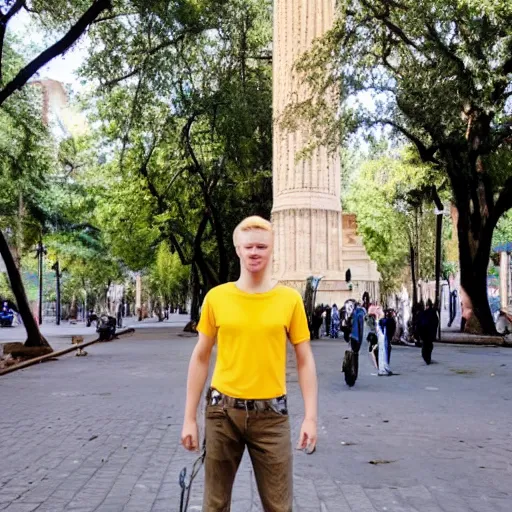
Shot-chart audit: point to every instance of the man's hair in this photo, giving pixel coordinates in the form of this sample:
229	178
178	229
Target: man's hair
250	223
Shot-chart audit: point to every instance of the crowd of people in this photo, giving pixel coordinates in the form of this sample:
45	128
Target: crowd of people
356	321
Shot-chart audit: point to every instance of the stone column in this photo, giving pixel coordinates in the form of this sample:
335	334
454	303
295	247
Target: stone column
307	207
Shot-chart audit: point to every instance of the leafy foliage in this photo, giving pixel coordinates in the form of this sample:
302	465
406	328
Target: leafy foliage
503	233
394	214
440	76
169	278
185	108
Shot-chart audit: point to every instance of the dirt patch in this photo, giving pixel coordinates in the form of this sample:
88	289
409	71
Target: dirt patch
7	361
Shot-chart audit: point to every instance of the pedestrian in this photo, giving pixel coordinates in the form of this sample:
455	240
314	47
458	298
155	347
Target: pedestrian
366	301
453	307
390	331
384	344
428	323
335	321
246	402
351	360
328	315
317	321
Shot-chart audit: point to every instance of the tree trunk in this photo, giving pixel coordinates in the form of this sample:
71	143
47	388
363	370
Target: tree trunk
474	254
413	275
34	336
476	312
196	300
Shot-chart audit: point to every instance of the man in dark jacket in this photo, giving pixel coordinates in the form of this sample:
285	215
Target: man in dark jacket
428	324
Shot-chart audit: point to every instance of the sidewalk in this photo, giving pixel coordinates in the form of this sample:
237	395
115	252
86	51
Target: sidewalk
59	336
461	338
451	334
102	434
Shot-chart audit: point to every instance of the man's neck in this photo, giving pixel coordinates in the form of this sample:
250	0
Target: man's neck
255	283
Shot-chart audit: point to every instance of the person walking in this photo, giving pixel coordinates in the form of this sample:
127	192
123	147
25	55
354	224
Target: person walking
384	344
250	320
428	324
335	321
351	360
317	321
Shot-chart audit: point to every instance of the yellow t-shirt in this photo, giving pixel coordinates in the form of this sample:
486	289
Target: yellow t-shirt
252	330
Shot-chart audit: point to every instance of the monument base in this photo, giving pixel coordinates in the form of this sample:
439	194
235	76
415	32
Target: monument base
336	291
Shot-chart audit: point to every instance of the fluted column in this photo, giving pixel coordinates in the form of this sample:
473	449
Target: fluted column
307	207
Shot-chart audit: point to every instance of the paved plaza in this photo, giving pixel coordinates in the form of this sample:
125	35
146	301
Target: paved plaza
101	433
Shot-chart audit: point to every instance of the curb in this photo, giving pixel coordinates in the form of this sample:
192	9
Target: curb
41	359
475	340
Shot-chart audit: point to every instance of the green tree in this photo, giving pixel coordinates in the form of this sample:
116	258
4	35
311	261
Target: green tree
169	278
392	198
440	76
503	233
14	75
26	151
190	125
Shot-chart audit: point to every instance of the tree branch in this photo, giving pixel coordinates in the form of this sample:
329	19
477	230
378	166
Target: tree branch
113	17
436	198
384	17
58	48
126	136
207	272
147	54
143	170
190	150
502	82
426	154
434	37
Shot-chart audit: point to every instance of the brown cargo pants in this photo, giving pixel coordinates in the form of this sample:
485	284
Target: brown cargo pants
267	437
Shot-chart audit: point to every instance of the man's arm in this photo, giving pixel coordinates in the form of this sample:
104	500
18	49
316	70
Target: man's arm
197	375
306	369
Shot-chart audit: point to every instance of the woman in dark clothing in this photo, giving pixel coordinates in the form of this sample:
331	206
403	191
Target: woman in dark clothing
317	321
427	327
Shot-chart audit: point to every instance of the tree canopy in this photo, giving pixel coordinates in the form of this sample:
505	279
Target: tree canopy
439	75
188	128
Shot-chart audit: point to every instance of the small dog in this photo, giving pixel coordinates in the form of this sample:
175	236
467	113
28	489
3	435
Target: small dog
77	340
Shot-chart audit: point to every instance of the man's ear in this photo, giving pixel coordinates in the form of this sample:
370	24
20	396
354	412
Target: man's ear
236	249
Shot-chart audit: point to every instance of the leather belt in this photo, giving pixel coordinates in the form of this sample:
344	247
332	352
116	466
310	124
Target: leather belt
279	404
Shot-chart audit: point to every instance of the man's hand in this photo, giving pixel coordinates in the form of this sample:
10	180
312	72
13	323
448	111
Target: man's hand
307	438
190	435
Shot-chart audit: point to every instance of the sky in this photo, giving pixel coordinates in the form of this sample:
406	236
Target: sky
62	68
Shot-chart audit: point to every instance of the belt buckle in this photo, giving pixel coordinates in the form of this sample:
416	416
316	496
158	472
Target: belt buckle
215	397
280	405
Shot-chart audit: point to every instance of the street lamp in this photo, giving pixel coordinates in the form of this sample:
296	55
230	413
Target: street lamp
58	275
40	252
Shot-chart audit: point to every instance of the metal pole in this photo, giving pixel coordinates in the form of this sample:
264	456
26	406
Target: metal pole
40	256
439	243
57	274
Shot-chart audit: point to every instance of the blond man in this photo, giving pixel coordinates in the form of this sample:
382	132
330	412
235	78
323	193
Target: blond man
251	320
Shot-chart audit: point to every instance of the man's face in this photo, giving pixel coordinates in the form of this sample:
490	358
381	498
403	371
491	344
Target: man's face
254	248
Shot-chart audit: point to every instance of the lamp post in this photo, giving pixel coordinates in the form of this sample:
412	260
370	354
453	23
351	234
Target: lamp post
40	252
58	275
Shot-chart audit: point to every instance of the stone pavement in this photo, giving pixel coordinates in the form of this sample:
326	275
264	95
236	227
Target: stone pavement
101	433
